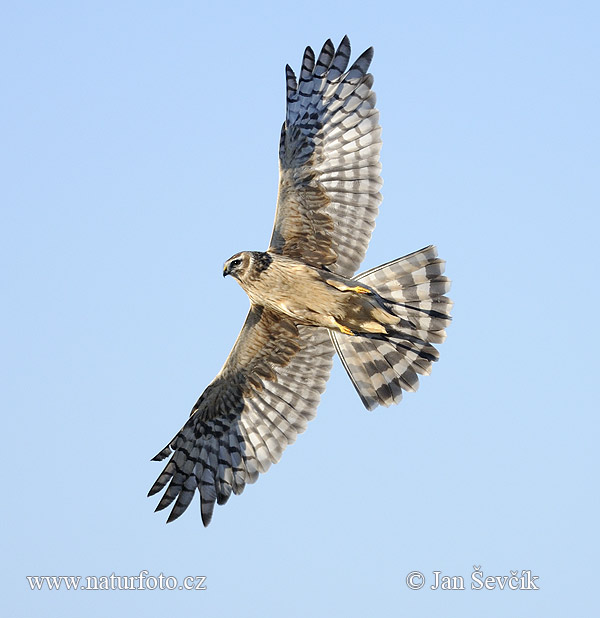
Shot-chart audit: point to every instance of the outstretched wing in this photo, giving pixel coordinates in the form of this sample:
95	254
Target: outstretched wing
262	398
329	162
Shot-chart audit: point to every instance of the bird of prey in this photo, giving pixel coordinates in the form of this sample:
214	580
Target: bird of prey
306	303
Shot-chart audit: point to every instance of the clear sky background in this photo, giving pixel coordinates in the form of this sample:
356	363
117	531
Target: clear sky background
139	151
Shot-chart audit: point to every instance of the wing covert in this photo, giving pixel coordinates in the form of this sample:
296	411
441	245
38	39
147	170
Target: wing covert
329	162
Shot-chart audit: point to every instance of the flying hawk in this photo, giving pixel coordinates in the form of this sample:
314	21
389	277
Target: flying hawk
305	301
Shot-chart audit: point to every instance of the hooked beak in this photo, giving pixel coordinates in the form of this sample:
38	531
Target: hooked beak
225	270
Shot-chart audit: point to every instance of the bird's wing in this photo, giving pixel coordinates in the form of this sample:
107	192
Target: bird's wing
329	170
262	398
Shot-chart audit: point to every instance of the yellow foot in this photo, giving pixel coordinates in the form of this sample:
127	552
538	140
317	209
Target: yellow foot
345	330
360	290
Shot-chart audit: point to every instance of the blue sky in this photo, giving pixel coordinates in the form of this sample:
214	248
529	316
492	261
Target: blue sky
140	152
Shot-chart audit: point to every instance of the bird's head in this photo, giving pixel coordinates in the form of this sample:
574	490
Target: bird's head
238	265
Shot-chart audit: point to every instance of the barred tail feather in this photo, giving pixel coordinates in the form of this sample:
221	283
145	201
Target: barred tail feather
382	366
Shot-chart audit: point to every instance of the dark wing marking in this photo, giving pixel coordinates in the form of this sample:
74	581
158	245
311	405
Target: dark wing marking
329	162
262	398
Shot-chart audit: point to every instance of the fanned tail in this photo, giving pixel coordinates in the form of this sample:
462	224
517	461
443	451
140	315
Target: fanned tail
381	366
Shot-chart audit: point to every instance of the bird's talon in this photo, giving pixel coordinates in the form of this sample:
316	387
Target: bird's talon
346	331
360	290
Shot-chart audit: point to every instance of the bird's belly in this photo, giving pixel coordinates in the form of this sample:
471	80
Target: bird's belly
311	313
298	294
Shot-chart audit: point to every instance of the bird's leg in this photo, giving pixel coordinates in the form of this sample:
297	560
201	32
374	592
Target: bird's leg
360	290
342	287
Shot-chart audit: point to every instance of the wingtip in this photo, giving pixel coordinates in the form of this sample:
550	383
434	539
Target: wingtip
173	515
308	63
362	63
206	512
164	453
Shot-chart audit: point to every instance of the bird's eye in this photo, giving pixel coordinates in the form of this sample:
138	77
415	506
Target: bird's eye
236	263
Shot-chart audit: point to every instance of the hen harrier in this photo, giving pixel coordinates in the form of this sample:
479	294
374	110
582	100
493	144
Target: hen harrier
305	302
